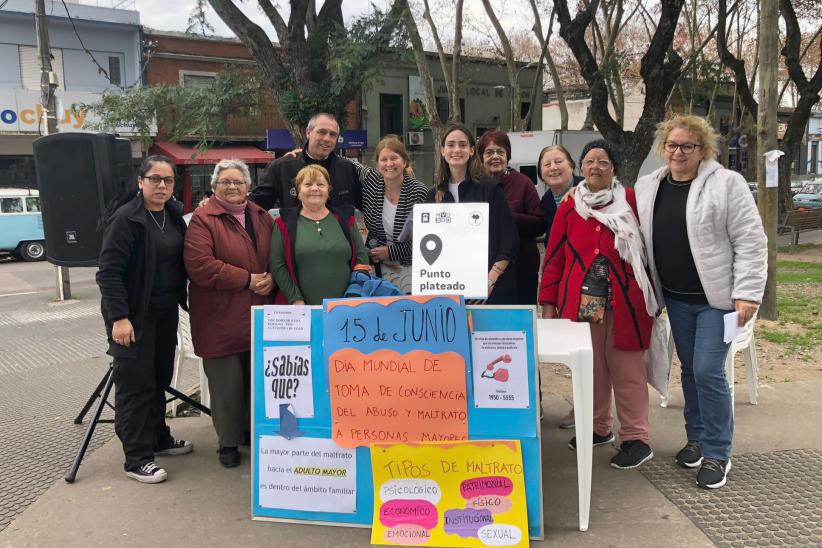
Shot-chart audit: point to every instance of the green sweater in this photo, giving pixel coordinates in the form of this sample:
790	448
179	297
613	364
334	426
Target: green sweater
322	257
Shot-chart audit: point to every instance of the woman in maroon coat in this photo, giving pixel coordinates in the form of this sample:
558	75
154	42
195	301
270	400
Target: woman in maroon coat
226	256
595	271
494	148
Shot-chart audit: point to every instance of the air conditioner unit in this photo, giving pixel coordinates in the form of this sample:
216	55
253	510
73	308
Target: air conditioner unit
415	138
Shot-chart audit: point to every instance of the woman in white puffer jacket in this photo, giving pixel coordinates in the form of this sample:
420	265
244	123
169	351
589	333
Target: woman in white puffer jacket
707	253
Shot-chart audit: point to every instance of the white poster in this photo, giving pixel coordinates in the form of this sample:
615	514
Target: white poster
450	250
308	474
500	365
287	371
287	323
772	168
418	115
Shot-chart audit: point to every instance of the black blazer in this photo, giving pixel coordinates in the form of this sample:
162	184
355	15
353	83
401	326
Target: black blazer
126	268
503	238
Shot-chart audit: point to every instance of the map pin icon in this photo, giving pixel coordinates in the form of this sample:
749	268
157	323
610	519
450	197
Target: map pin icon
431	247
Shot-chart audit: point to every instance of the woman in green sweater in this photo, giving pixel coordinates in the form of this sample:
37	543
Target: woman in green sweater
314	247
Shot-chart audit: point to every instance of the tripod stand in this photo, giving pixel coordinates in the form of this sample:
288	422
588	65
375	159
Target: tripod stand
102	392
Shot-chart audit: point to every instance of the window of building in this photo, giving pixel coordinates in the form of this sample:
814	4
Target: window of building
17	172
523	110
196	79
114	72
391	114
30	67
11	205
813	163
443	109
33	204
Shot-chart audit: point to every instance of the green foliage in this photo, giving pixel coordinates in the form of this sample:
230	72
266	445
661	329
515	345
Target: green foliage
182	112
198	19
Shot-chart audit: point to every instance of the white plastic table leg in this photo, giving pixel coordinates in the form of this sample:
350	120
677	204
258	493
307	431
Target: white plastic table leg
582	378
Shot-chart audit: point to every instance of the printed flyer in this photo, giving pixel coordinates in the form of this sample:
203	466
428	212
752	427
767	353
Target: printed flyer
458	494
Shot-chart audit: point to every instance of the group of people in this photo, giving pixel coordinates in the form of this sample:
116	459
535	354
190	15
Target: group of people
687	236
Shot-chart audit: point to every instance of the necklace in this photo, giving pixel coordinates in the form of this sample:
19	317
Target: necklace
671	182
162	227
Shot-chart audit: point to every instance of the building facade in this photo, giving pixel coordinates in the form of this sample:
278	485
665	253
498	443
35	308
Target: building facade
109	57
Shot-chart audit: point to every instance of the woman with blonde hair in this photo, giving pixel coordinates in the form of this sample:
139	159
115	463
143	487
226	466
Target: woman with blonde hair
389	194
314	246
707	255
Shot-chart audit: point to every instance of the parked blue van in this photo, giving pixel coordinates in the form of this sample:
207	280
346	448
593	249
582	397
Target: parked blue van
21	224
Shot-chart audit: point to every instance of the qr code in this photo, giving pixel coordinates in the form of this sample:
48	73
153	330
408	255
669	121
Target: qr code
443	217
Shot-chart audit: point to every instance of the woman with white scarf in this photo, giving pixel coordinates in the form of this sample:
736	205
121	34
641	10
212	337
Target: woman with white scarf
595	271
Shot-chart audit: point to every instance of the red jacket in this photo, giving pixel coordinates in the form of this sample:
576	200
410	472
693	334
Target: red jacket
573	245
219	257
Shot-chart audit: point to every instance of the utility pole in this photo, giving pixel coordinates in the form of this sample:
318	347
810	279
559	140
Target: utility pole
48	84
768	197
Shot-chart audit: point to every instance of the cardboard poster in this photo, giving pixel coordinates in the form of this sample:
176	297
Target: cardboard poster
397	369
463	494
288	379
289	323
450	250
500	367
308	474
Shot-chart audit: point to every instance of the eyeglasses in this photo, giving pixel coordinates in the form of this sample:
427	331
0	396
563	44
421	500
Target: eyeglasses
601	164
491	152
155	180
686	148
228	182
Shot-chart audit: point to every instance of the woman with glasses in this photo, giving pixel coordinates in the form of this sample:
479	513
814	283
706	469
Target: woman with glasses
494	148
142	282
595	272
315	246
707	253
226	256
459	179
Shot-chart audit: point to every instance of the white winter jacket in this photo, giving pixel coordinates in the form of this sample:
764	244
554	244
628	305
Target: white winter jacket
724	231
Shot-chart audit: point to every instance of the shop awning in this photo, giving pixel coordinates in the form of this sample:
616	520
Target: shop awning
186	155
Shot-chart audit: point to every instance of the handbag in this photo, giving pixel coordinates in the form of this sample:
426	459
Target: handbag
593	295
659	356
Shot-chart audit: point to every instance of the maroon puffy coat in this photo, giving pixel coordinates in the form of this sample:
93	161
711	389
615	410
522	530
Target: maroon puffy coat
219	257
572	246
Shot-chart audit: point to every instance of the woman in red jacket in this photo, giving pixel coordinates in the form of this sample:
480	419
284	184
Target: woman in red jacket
595	271
494	148
226	256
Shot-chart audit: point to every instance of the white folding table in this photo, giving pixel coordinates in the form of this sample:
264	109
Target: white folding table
569	343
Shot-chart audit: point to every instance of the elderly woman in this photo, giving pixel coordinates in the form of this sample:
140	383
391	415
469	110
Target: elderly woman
142	282
708	257
314	246
226	256
459	179
556	172
494	148
595	272
389	194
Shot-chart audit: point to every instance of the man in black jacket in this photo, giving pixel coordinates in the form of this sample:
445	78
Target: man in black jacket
276	189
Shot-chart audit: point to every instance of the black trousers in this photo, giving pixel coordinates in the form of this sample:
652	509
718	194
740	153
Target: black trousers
139	393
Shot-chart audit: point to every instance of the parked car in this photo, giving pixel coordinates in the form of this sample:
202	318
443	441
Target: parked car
810	197
796	186
752	186
21	224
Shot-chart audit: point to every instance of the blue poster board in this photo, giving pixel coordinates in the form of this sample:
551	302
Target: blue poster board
483	423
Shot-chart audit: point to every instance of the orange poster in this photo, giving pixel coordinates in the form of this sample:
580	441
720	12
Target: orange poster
388	397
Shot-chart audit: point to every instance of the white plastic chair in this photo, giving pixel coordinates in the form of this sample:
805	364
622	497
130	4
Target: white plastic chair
745	343
185	349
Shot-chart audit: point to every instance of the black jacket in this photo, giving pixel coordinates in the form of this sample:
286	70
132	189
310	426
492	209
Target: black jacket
549	206
126	268
276	189
503	238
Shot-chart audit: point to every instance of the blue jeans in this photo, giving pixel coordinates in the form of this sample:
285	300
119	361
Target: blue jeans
698	332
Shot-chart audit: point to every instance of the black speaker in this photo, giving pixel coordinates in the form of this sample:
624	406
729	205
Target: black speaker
77	175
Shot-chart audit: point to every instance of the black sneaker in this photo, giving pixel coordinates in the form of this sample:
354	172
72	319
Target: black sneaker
714	473
598	440
631	454
229	456
149	472
177	447
690	456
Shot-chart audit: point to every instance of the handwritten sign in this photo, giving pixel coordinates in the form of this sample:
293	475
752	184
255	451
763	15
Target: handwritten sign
397	369
500	369
462	494
287	323
288	379
310	474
